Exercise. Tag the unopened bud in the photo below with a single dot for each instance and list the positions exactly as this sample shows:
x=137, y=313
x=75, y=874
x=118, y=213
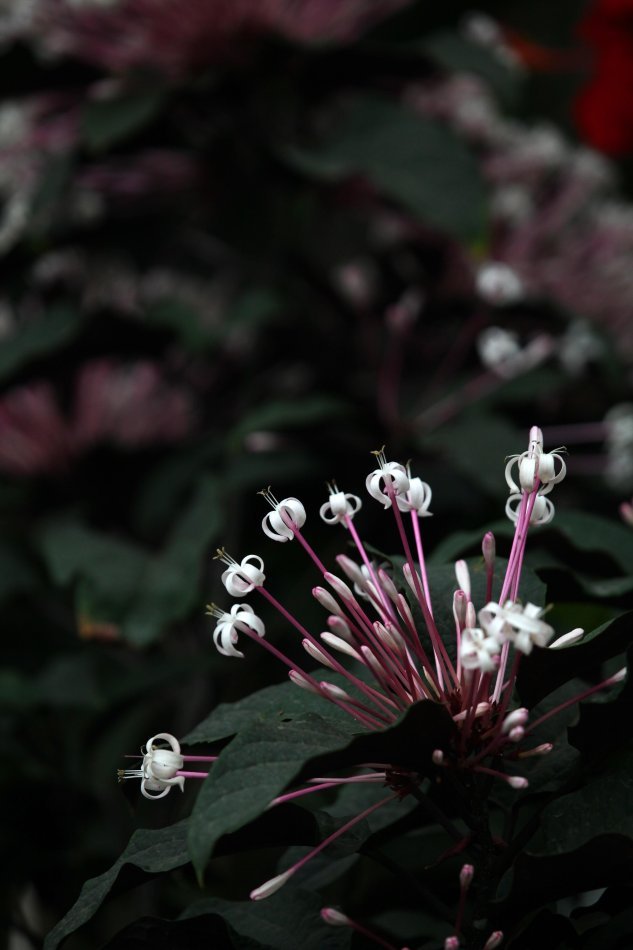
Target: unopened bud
x=270, y=887
x=466, y=876
x=516, y=734
x=326, y=600
x=388, y=585
x=304, y=683
x=516, y=718
x=338, y=643
x=617, y=677
x=341, y=588
x=517, y=781
x=317, y=654
x=460, y=602
x=340, y=628
x=567, y=638
x=463, y=576
x=542, y=749
x=334, y=917
x=351, y=569
x=438, y=757
x=494, y=940
x=335, y=692
x=488, y=548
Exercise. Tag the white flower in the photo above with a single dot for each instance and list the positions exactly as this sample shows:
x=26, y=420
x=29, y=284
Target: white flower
x=276, y=523
x=225, y=635
x=160, y=767
x=522, y=625
x=478, y=650
x=548, y=467
x=241, y=579
x=498, y=284
x=341, y=505
x=501, y=352
x=542, y=512
x=417, y=498
x=390, y=475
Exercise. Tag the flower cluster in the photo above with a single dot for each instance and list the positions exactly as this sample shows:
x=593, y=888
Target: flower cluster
x=388, y=650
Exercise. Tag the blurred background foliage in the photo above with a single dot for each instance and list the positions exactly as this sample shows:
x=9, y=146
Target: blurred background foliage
x=245, y=244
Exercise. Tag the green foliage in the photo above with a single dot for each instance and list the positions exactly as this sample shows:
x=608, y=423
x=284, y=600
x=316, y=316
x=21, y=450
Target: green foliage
x=118, y=582
x=151, y=852
x=38, y=338
x=109, y=121
x=409, y=159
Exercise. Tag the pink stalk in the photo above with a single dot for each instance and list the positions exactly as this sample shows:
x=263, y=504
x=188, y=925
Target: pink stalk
x=388, y=607
x=372, y=777
x=439, y=649
x=199, y=758
x=340, y=831
x=511, y=580
x=324, y=784
x=610, y=681
x=465, y=877
x=367, y=720
x=377, y=698
x=306, y=547
x=366, y=633
x=415, y=520
x=191, y=774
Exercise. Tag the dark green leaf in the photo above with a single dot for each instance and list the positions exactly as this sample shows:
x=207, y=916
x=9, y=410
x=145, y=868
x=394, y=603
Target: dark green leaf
x=254, y=769
x=603, y=805
x=588, y=532
x=458, y=54
x=544, y=669
x=198, y=934
x=106, y=122
x=37, y=338
x=418, y=163
x=284, y=414
x=118, y=582
x=472, y=440
x=285, y=921
x=282, y=701
x=151, y=851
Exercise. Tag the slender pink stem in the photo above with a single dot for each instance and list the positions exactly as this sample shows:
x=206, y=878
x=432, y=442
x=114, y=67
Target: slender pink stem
x=326, y=783
x=386, y=603
x=191, y=774
x=610, y=681
x=415, y=520
x=441, y=656
x=199, y=758
x=378, y=699
x=341, y=831
x=307, y=547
